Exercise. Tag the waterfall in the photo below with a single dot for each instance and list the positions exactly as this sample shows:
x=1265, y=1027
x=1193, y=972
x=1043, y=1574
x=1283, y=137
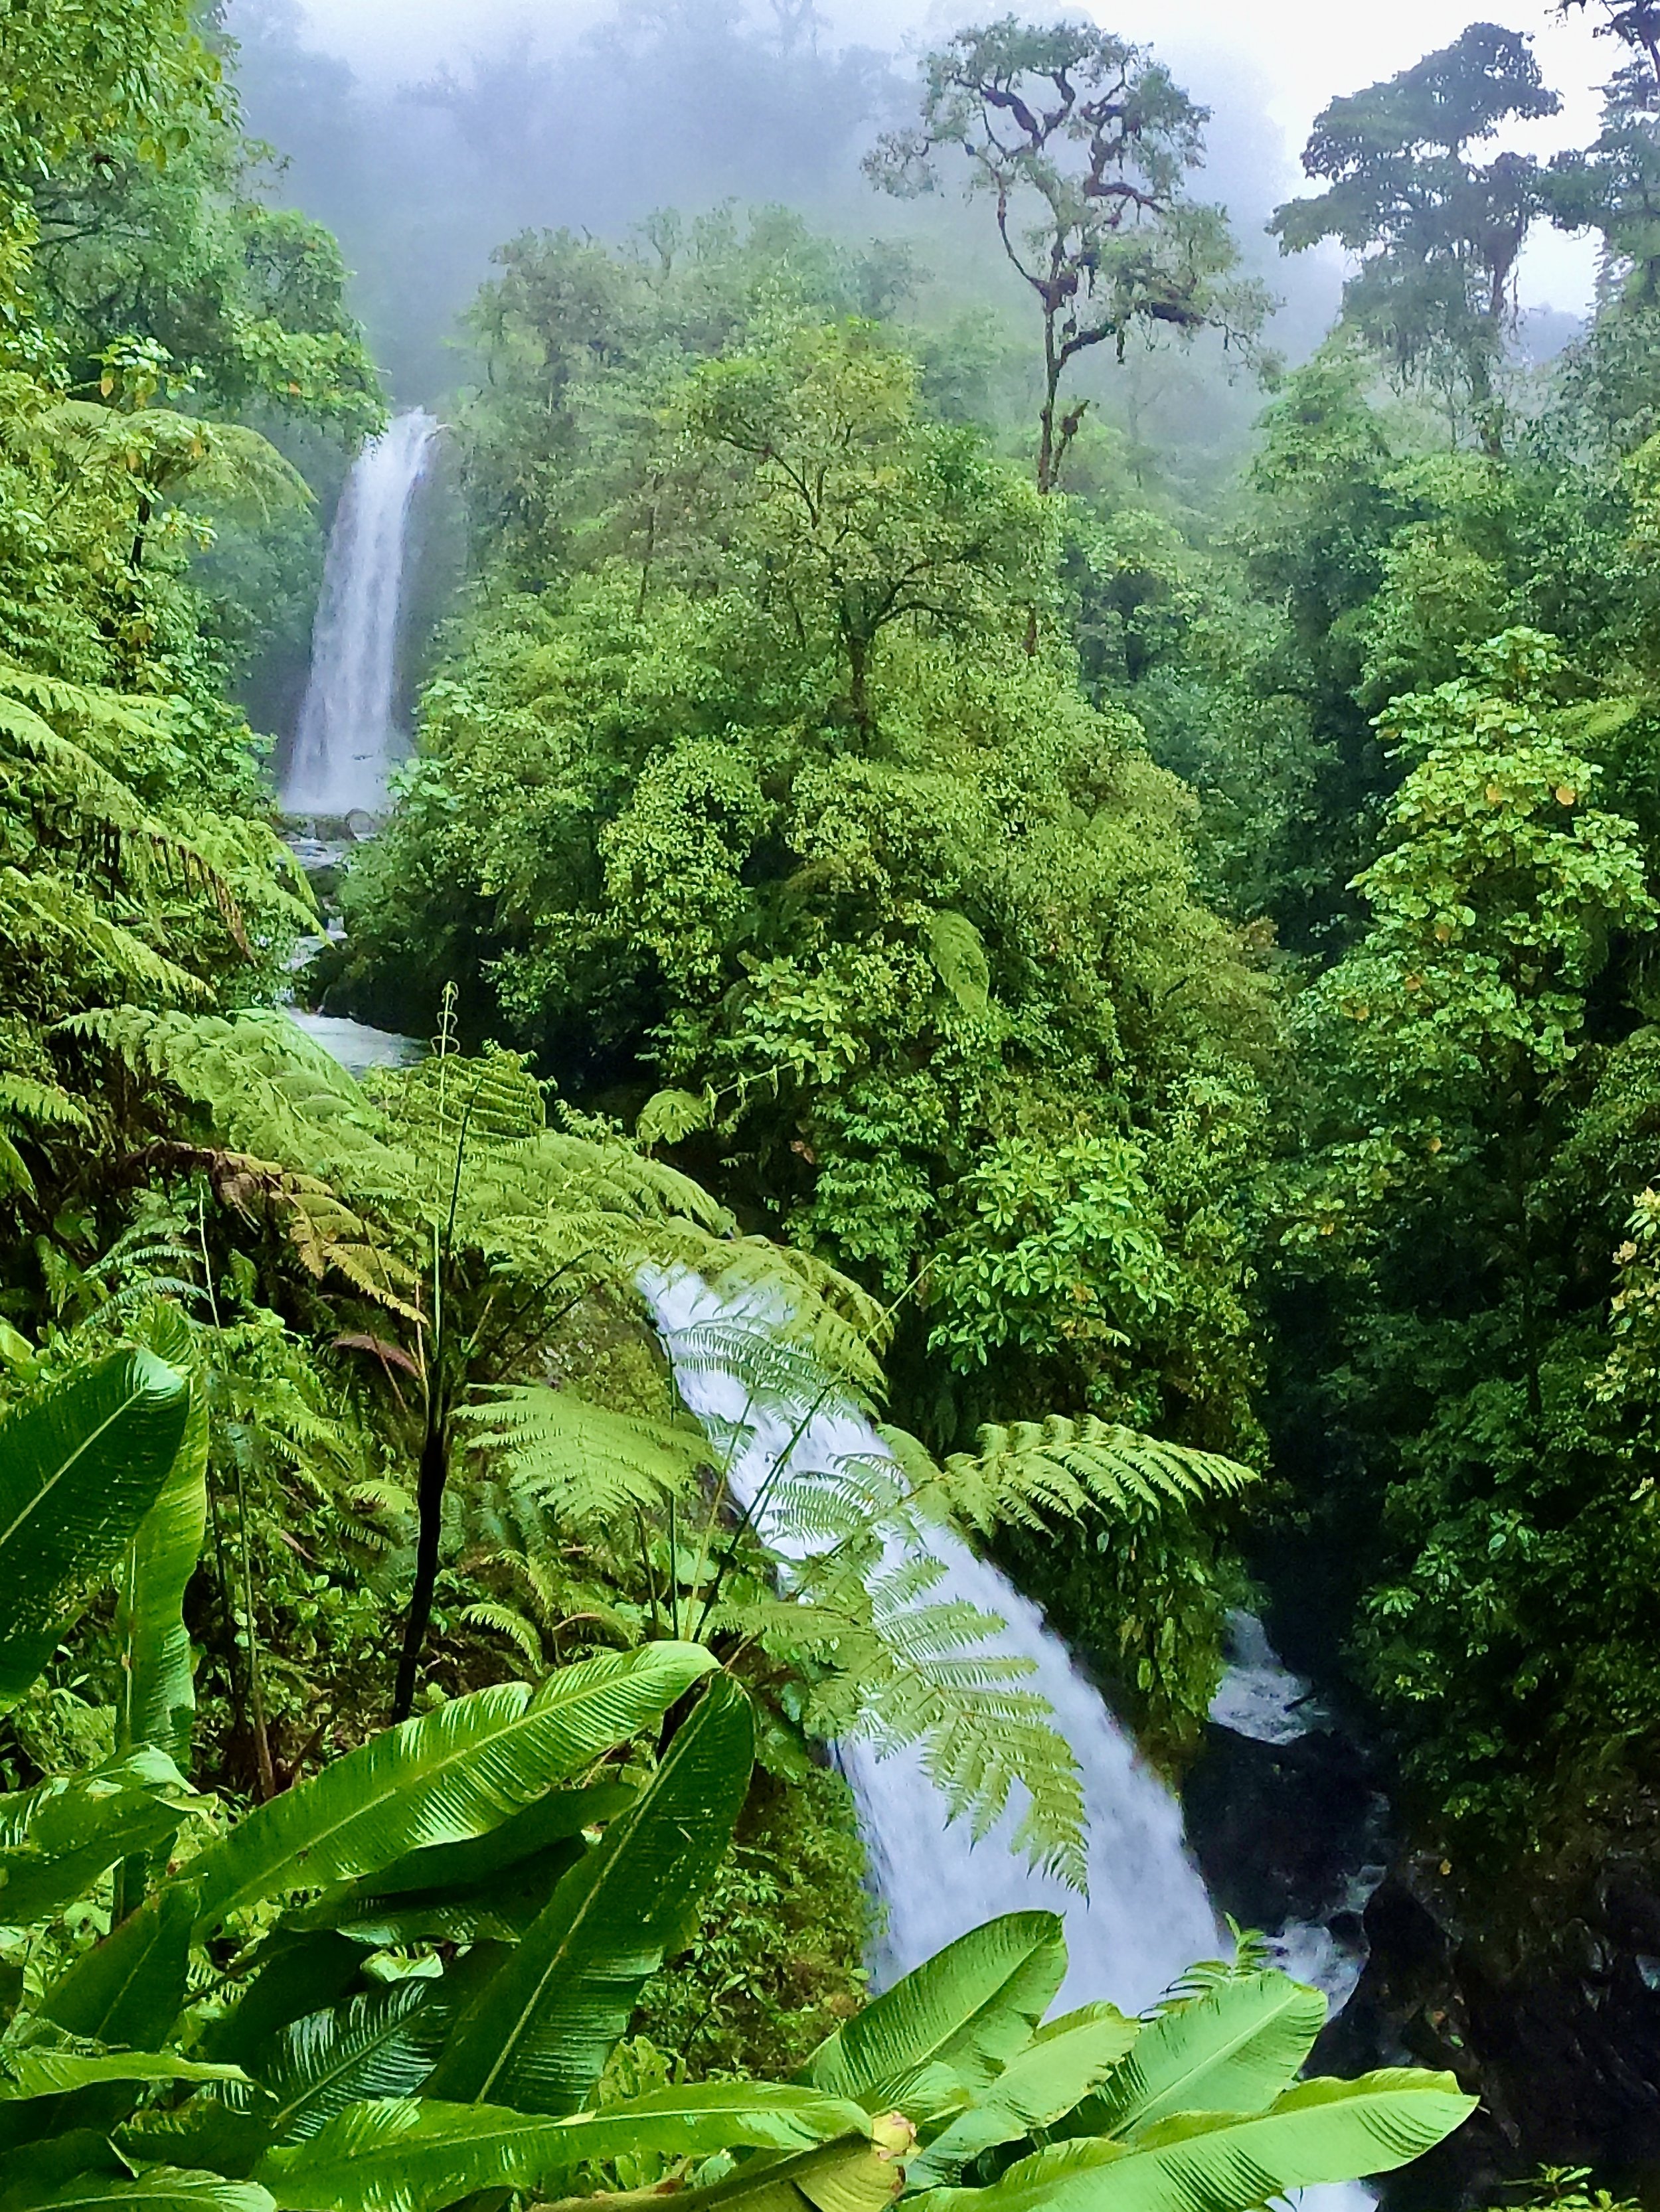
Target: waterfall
x=1145, y=1916
x=1259, y=1697
x=344, y=741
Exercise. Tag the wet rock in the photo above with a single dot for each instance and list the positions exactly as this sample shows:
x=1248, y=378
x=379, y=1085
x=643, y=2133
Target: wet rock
x=1279, y=1830
x=1553, y=2023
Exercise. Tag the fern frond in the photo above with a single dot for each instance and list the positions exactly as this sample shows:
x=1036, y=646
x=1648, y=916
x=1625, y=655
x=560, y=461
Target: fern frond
x=42, y=1105
x=503, y=1621
x=577, y=1461
x=50, y=916
x=1062, y=1468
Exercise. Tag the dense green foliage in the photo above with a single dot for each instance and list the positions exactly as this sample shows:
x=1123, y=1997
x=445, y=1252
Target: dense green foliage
x=802, y=830
x=1130, y=980
x=799, y=782
x=454, y=1854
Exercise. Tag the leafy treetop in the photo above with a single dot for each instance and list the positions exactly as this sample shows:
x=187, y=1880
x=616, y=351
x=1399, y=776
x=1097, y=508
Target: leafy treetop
x=1081, y=141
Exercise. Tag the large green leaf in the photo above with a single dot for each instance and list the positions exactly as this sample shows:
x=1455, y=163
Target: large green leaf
x=1320, y=2131
x=970, y=2009
x=130, y=1988
x=446, y=1867
x=295, y=1975
x=30, y=2172
x=157, y=1696
x=380, y=2045
x=538, y=2033
x=449, y=1775
x=1038, y=2088
x=43, y=2072
x=490, y=1888
x=1233, y=2050
x=80, y=1466
x=163, y=2188
x=58, y=1837
x=413, y=2155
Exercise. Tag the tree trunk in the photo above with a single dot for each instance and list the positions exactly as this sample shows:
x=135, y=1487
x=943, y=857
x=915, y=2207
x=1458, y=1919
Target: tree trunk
x=1046, y=455
x=858, y=650
x=1486, y=409
x=429, y=1506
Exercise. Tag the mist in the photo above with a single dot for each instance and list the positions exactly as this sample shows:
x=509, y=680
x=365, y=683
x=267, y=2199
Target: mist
x=425, y=135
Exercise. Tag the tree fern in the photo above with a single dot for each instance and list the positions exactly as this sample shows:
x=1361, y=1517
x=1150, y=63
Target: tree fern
x=1032, y=1472
x=838, y=1523
x=577, y=1462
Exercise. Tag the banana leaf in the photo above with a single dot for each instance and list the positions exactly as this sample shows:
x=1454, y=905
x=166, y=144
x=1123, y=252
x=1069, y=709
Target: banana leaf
x=33, y=2071
x=32, y=2171
x=379, y=2045
x=1038, y=2088
x=447, y=1776
x=490, y=1888
x=1233, y=2050
x=416, y=2156
x=163, y=2188
x=537, y=2035
x=80, y=1466
x=58, y=1837
x=157, y=1698
x=970, y=2009
x=131, y=1988
x=1320, y=2131
x=552, y=1818
x=292, y=1975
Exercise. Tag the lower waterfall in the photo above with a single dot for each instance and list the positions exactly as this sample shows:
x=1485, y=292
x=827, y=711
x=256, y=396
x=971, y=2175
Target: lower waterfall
x=1147, y=1916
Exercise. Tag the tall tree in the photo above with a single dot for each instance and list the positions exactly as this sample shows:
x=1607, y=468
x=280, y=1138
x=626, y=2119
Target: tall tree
x=1438, y=233
x=1637, y=25
x=1614, y=185
x=1081, y=141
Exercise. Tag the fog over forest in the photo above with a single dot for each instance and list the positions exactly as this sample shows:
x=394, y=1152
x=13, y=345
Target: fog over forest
x=425, y=135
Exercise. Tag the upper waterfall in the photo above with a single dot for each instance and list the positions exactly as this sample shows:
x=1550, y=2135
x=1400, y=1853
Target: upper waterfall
x=343, y=741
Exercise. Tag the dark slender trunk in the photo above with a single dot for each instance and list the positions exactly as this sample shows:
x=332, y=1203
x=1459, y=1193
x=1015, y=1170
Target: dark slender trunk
x=1046, y=457
x=145, y=511
x=858, y=678
x=429, y=1507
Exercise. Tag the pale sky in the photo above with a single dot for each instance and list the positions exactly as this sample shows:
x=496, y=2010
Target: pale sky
x=1288, y=57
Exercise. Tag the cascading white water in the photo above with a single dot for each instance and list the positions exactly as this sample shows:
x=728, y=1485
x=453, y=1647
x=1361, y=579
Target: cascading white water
x=344, y=741
x=1147, y=1916
x=1261, y=1697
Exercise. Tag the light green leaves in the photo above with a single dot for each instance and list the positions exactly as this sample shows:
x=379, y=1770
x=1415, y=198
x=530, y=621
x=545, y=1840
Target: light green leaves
x=36, y=2072
x=577, y=1461
x=1049, y=2079
x=416, y=2156
x=80, y=1466
x=129, y=1989
x=163, y=2189
x=958, y=953
x=449, y=1775
x=969, y=2010
x=56, y=1838
x=1229, y=2050
x=1227, y=2161
x=157, y=1684
x=538, y=2035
